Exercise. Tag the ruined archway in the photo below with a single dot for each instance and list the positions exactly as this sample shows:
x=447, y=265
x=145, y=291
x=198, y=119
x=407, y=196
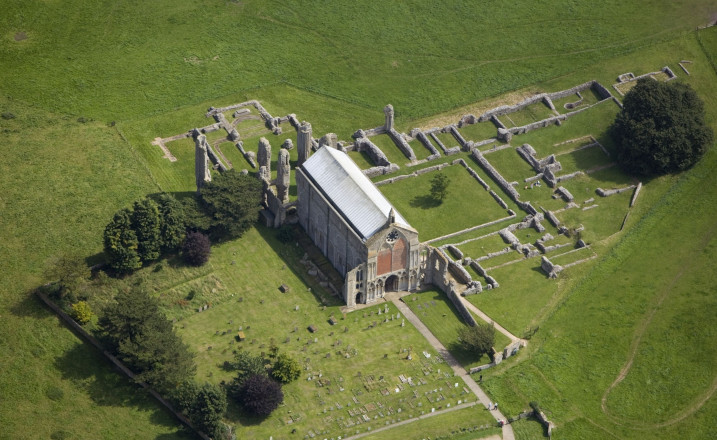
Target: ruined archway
x=391, y=284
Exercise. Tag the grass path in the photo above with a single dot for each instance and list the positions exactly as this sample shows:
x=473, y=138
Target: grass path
x=637, y=339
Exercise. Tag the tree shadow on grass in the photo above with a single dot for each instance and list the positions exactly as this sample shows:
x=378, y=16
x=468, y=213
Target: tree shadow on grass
x=236, y=414
x=91, y=373
x=30, y=306
x=425, y=202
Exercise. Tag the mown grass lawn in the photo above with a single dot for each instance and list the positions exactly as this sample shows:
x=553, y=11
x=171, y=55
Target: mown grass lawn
x=467, y=204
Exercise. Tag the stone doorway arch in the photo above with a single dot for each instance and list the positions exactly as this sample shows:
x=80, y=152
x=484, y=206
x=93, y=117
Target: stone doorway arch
x=391, y=284
x=359, y=298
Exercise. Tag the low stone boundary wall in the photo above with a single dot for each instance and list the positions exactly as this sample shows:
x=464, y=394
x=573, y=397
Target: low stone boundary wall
x=422, y=138
x=634, y=196
x=462, y=142
x=75, y=327
x=495, y=175
x=271, y=122
x=379, y=171
x=472, y=228
x=610, y=192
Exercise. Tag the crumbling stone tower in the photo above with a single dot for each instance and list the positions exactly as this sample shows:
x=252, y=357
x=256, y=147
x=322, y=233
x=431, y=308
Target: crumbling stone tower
x=264, y=155
x=303, y=140
x=283, y=174
x=388, y=111
x=202, y=172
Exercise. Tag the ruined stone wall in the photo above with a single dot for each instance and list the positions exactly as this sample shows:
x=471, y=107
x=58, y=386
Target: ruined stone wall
x=248, y=155
x=379, y=171
x=402, y=145
x=437, y=272
x=363, y=144
x=552, y=270
x=283, y=176
x=495, y=175
x=422, y=138
x=276, y=206
x=610, y=192
x=263, y=154
x=202, y=173
x=461, y=141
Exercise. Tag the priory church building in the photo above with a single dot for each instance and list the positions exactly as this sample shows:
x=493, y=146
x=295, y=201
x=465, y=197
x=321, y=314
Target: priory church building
x=363, y=236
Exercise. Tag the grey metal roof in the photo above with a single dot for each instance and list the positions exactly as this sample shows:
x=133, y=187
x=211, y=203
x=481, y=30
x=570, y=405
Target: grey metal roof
x=351, y=192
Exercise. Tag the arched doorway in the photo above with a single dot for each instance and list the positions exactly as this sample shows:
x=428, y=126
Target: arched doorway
x=391, y=284
x=358, y=298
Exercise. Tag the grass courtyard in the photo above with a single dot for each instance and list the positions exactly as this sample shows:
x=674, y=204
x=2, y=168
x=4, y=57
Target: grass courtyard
x=468, y=203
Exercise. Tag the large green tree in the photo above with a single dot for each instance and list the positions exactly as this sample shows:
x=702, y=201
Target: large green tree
x=439, y=187
x=120, y=243
x=204, y=405
x=661, y=128
x=477, y=339
x=172, y=225
x=146, y=224
x=232, y=202
x=135, y=329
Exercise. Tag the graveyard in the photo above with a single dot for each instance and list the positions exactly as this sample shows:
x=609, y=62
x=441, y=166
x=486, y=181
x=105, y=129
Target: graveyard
x=97, y=108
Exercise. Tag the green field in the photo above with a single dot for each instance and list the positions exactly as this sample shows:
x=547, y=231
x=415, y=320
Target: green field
x=133, y=71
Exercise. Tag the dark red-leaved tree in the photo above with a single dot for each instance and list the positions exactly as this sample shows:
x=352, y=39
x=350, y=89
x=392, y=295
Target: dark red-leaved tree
x=260, y=395
x=196, y=248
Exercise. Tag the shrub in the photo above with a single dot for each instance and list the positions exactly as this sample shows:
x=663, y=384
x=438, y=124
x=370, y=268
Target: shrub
x=196, y=249
x=81, y=312
x=285, y=234
x=286, y=369
x=54, y=393
x=533, y=404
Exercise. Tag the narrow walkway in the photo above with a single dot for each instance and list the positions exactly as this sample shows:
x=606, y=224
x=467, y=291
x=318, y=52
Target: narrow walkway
x=415, y=419
x=487, y=319
x=453, y=363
